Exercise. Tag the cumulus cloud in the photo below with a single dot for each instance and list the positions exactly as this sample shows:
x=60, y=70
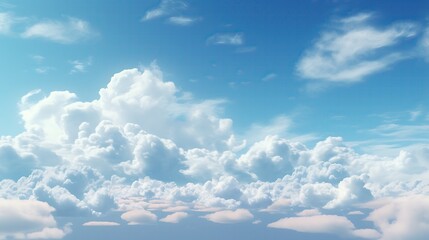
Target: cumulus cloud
x=228, y=216
x=331, y=224
x=139, y=217
x=174, y=217
x=166, y=7
x=402, y=218
x=226, y=39
x=28, y=219
x=65, y=32
x=351, y=49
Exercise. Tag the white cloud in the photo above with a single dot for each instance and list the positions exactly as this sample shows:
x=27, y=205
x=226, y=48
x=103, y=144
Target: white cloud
x=349, y=50
x=228, y=216
x=175, y=217
x=269, y=77
x=79, y=66
x=226, y=39
x=330, y=224
x=402, y=218
x=309, y=212
x=424, y=43
x=6, y=22
x=166, y=7
x=280, y=205
x=139, y=217
x=182, y=21
x=100, y=224
x=66, y=32
x=28, y=219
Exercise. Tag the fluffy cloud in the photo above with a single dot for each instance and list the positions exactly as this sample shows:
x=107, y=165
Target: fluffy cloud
x=227, y=216
x=402, y=218
x=182, y=21
x=28, y=219
x=349, y=51
x=174, y=217
x=139, y=217
x=66, y=32
x=331, y=224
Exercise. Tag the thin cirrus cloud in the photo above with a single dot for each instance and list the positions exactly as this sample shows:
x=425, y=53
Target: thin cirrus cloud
x=65, y=32
x=234, y=39
x=351, y=49
x=6, y=22
x=182, y=20
x=100, y=224
x=166, y=7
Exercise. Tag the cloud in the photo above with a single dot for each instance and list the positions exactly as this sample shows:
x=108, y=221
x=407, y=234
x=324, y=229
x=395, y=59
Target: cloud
x=139, y=217
x=166, y=7
x=228, y=216
x=402, y=218
x=28, y=219
x=100, y=224
x=175, y=217
x=309, y=212
x=353, y=48
x=330, y=224
x=424, y=43
x=182, y=21
x=234, y=39
x=6, y=22
x=79, y=66
x=65, y=32
x=269, y=77
x=280, y=205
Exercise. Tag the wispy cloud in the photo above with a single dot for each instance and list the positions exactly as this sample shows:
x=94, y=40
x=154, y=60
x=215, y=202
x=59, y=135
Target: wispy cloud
x=350, y=49
x=166, y=7
x=269, y=77
x=6, y=22
x=79, y=66
x=65, y=32
x=226, y=39
x=182, y=21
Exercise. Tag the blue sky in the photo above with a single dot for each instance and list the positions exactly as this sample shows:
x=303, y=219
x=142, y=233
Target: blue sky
x=216, y=119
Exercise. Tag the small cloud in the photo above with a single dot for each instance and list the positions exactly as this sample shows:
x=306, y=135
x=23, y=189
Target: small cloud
x=79, y=66
x=65, y=32
x=355, y=213
x=175, y=217
x=269, y=77
x=309, y=212
x=100, y=224
x=42, y=70
x=139, y=217
x=166, y=7
x=350, y=50
x=281, y=205
x=228, y=216
x=226, y=39
x=6, y=22
x=182, y=21
x=38, y=58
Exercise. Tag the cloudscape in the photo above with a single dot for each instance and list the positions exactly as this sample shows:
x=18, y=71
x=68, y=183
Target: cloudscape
x=174, y=119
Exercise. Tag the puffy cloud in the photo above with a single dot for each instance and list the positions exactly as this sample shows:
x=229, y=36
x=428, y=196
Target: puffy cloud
x=228, y=216
x=13, y=164
x=226, y=39
x=28, y=219
x=402, y=218
x=349, y=51
x=174, y=217
x=100, y=224
x=139, y=217
x=309, y=212
x=331, y=224
x=66, y=32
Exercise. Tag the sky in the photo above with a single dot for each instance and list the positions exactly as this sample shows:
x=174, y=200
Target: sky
x=187, y=119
